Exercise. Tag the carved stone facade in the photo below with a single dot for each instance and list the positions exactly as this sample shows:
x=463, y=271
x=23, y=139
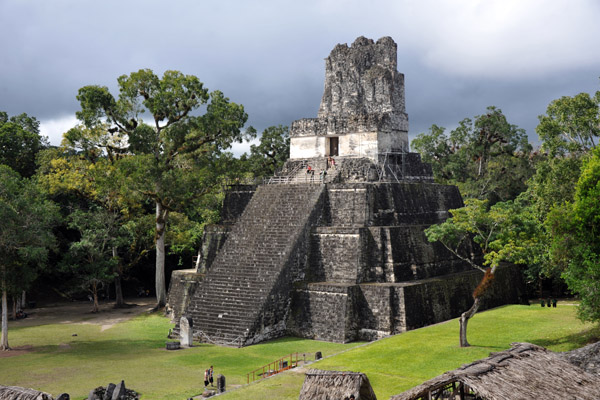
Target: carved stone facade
x=362, y=113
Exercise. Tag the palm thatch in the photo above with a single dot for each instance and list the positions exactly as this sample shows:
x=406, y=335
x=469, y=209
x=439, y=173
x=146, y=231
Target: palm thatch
x=524, y=372
x=587, y=358
x=336, y=385
x=19, y=393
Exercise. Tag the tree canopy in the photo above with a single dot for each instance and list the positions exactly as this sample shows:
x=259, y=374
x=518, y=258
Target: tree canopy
x=20, y=141
x=487, y=158
x=571, y=124
x=169, y=154
x=25, y=236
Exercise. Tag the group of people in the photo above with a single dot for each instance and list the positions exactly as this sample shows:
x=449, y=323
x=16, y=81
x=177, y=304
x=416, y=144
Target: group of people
x=208, y=377
x=311, y=172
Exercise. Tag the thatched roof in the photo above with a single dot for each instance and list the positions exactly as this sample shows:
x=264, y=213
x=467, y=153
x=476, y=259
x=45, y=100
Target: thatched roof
x=524, y=372
x=336, y=385
x=19, y=393
x=587, y=358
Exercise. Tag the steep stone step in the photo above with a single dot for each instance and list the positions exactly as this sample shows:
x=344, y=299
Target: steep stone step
x=244, y=272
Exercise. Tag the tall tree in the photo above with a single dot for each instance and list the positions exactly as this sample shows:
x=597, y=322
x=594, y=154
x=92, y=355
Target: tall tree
x=575, y=230
x=25, y=235
x=92, y=260
x=487, y=158
x=20, y=141
x=571, y=125
x=272, y=151
x=569, y=132
x=169, y=149
x=502, y=234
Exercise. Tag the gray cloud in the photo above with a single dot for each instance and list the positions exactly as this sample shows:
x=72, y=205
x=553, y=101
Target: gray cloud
x=458, y=56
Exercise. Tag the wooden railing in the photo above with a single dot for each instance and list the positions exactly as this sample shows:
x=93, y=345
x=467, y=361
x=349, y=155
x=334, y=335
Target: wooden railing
x=275, y=367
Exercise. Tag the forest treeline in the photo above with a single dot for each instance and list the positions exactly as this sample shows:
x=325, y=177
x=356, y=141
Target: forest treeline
x=144, y=169
x=141, y=173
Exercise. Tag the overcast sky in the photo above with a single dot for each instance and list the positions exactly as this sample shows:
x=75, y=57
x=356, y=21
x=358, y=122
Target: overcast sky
x=458, y=56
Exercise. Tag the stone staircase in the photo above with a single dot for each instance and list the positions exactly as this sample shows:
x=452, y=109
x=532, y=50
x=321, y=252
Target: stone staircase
x=240, y=290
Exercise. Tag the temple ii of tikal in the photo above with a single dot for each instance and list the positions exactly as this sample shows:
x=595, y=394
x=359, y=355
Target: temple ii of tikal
x=332, y=247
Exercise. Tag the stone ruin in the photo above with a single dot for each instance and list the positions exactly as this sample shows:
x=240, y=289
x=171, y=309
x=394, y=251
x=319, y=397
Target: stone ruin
x=362, y=113
x=341, y=256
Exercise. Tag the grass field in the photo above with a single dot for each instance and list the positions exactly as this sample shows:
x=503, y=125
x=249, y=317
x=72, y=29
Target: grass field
x=134, y=351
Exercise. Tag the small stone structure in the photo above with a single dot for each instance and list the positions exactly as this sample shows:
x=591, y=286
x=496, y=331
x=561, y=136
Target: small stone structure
x=185, y=332
x=343, y=257
x=113, y=392
x=221, y=383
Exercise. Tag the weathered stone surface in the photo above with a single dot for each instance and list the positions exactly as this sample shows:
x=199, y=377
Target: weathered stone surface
x=172, y=345
x=220, y=383
x=245, y=296
x=185, y=331
x=362, y=112
x=182, y=287
x=108, y=394
x=119, y=392
x=362, y=79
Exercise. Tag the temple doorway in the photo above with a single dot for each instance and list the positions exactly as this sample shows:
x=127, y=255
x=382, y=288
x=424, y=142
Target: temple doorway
x=333, y=146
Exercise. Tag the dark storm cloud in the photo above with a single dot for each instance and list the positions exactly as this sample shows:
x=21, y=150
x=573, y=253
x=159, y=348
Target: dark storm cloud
x=458, y=56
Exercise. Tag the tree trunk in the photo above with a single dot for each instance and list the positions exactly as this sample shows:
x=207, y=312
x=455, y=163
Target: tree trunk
x=119, y=302
x=95, y=294
x=161, y=291
x=23, y=299
x=15, y=307
x=4, y=339
x=464, y=320
x=118, y=290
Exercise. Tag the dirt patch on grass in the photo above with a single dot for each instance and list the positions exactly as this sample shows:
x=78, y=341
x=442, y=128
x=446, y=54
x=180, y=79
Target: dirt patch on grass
x=81, y=312
x=16, y=351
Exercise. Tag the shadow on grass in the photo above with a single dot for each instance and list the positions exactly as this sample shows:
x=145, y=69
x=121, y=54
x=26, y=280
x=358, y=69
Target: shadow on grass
x=107, y=349
x=573, y=341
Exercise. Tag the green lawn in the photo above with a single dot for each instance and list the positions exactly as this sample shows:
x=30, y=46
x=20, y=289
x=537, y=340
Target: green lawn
x=134, y=351
x=400, y=362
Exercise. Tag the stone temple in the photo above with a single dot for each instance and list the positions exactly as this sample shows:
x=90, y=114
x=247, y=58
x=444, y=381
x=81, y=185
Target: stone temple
x=339, y=256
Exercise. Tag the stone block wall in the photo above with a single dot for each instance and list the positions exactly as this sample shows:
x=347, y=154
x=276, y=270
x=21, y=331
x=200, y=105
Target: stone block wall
x=375, y=307
x=411, y=203
x=375, y=310
x=324, y=312
x=403, y=253
x=182, y=288
x=348, y=204
x=439, y=299
x=335, y=255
